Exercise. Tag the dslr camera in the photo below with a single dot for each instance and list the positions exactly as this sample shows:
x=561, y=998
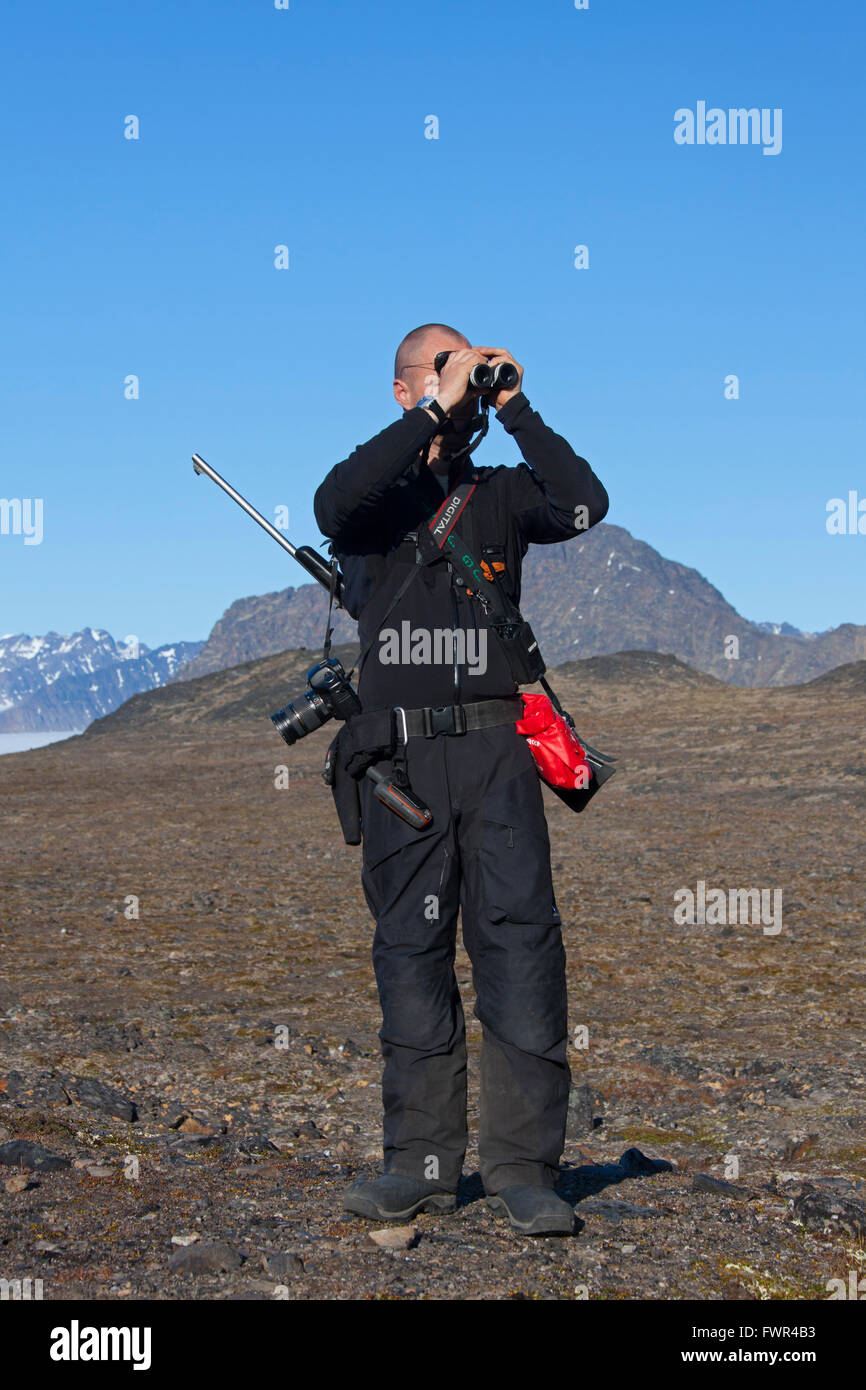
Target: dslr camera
x=330, y=696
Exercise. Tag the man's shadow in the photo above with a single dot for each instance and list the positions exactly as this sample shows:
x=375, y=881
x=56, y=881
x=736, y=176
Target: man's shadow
x=577, y=1183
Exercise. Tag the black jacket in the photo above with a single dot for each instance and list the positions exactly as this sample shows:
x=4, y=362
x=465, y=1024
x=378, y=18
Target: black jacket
x=371, y=504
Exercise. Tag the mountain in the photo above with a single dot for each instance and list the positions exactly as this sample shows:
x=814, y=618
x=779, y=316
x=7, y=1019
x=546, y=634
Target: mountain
x=63, y=682
x=249, y=693
x=605, y=592
x=258, y=626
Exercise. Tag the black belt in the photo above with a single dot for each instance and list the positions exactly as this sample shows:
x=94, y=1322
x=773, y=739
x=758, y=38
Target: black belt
x=456, y=719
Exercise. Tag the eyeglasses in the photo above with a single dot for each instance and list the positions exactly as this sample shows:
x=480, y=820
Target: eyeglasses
x=438, y=361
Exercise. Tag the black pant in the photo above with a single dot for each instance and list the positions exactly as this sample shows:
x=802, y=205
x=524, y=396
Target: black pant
x=486, y=852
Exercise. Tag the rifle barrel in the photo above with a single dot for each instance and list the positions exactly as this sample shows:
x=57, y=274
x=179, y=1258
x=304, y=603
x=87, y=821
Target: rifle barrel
x=309, y=559
x=200, y=466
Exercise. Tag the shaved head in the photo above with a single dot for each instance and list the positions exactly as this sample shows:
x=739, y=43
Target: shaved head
x=422, y=343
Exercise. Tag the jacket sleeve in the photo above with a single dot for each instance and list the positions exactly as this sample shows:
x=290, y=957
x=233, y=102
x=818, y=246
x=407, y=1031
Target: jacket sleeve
x=348, y=499
x=552, y=482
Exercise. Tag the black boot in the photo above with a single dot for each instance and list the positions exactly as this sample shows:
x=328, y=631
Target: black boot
x=536, y=1211
x=396, y=1197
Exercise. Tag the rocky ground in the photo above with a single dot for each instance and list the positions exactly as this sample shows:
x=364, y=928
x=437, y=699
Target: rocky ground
x=188, y=1055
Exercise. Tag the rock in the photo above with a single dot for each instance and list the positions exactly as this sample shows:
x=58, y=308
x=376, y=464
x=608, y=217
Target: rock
x=704, y=1183
x=282, y=1266
x=612, y=1210
x=190, y=1125
x=310, y=1128
x=95, y=1095
x=186, y=1240
x=20, y=1153
x=583, y=1105
x=19, y=1183
x=830, y=1211
x=395, y=1237
x=666, y=1058
x=179, y=1143
x=215, y=1258
x=100, y=1170
x=637, y=1165
x=797, y=1144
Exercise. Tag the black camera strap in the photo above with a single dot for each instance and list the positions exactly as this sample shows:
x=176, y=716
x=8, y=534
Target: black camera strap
x=415, y=570
x=332, y=589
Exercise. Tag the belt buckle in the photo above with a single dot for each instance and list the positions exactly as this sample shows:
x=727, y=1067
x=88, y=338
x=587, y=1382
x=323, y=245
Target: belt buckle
x=401, y=727
x=444, y=719
x=438, y=719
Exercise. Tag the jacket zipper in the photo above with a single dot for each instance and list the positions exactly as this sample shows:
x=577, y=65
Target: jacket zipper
x=456, y=611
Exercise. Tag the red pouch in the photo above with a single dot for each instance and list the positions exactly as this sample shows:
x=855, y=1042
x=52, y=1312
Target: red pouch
x=559, y=755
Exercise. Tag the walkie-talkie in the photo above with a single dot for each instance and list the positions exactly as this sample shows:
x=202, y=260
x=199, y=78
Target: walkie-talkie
x=400, y=800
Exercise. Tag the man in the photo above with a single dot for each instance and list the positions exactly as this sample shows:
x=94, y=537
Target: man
x=486, y=851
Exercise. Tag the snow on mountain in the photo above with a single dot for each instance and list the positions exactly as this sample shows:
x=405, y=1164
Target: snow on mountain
x=61, y=681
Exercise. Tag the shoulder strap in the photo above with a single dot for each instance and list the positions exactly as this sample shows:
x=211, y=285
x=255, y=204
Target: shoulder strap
x=385, y=616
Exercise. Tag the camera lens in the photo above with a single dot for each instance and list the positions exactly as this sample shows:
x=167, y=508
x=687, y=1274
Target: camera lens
x=301, y=717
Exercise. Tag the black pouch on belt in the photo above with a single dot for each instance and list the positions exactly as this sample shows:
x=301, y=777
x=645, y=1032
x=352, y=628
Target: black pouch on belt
x=364, y=740
x=344, y=790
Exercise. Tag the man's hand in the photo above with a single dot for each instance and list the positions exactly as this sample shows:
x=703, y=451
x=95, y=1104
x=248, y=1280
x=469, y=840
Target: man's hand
x=494, y=356
x=454, y=378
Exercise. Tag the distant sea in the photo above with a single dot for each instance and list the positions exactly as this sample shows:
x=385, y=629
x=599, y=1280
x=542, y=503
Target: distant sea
x=19, y=743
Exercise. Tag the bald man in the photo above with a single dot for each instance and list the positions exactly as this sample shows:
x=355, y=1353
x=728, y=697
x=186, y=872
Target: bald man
x=439, y=693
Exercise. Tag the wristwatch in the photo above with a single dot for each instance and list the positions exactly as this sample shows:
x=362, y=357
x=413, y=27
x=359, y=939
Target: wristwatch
x=431, y=403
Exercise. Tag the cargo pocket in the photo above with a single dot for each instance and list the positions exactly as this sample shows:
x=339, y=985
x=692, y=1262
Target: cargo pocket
x=514, y=853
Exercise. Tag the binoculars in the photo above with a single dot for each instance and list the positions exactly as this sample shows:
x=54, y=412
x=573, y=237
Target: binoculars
x=483, y=377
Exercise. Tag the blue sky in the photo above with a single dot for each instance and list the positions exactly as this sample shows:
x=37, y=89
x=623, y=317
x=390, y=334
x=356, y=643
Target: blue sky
x=305, y=127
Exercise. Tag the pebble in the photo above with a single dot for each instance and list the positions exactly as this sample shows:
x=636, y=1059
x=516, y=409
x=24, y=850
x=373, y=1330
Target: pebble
x=394, y=1237
x=19, y=1183
x=280, y=1266
x=614, y=1210
x=191, y=1125
x=704, y=1183
x=216, y=1258
x=186, y=1240
x=95, y=1095
x=100, y=1170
